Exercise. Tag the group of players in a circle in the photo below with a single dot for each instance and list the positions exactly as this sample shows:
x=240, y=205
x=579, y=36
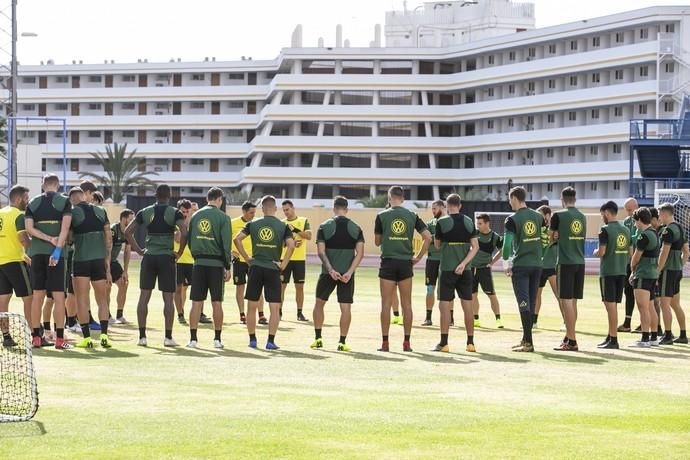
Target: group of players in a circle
x=54, y=248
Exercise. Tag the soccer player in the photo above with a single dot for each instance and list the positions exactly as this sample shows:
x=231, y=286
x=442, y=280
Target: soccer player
x=456, y=238
x=522, y=242
x=644, y=264
x=433, y=261
x=296, y=267
x=569, y=227
x=674, y=255
x=490, y=245
x=120, y=275
x=240, y=268
x=158, y=263
x=48, y=218
x=210, y=240
x=340, y=245
x=185, y=263
x=92, y=248
x=630, y=207
x=394, y=230
x=548, y=271
x=268, y=236
x=614, y=252
x=14, y=275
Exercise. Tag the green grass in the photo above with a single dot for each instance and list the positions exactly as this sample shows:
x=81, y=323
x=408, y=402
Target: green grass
x=131, y=402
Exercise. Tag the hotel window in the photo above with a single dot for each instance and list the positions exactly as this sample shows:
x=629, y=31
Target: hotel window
x=95, y=78
x=552, y=84
x=618, y=74
x=489, y=124
x=617, y=148
x=594, y=150
x=531, y=52
x=396, y=67
x=313, y=97
x=395, y=98
x=162, y=105
x=129, y=78
x=127, y=133
x=511, y=56
x=29, y=80
x=593, y=186
x=669, y=67
x=394, y=160
x=198, y=77
x=93, y=134
x=490, y=92
x=94, y=106
x=236, y=104
x=551, y=118
x=355, y=129
x=395, y=129
x=510, y=155
x=596, y=77
x=618, y=111
x=490, y=156
x=549, y=153
x=572, y=116
x=530, y=154
x=128, y=106
x=358, y=67
x=511, y=122
x=616, y=185
x=28, y=107
x=196, y=162
x=620, y=37
x=197, y=105
x=529, y=188
x=595, y=114
x=644, y=71
x=549, y=187
x=642, y=109
x=573, y=45
x=669, y=106
x=596, y=42
x=357, y=97
x=511, y=89
x=61, y=107
x=552, y=49
x=235, y=133
x=235, y=76
x=670, y=28
x=196, y=133
x=644, y=34
x=530, y=87
x=571, y=151
x=573, y=80
x=161, y=134
x=62, y=79
x=491, y=60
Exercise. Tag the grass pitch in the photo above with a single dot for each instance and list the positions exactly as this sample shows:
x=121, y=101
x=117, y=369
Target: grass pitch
x=132, y=402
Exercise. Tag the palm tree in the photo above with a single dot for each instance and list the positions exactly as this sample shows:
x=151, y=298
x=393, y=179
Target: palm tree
x=120, y=171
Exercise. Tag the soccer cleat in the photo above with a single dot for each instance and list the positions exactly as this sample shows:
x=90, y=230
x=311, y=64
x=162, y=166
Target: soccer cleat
x=638, y=330
x=272, y=346
x=181, y=320
x=609, y=346
x=8, y=342
x=76, y=328
x=666, y=341
x=252, y=344
x=46, y=343
x=384, y=347
x=406, y=346
x=48, y=335
x=471, y=348
x=499, y=324
x=95, y=326
x=263, y=321
x=86, y=342
x=61, y=344
x=519, y=345
x=170, y=342
x=192, y=344
x=112, y=321
x=121, y=320
x=640, y=344
x=218, y=344
x=427, y=322
x=654, y=343
x=525, y=348
x=564, y=346
x=477, y=323
x=203, y=319
x=318, y=343
x=441, y=348
x=300, y=317
x=343, y=347
x=623, y=328
x=601, y=345
x=396, y=319
x=682, y=340
x=105, y=341
x=142, y=342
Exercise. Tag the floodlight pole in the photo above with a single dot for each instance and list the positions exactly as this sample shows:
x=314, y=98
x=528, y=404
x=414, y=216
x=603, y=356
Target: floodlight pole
x=12, y=128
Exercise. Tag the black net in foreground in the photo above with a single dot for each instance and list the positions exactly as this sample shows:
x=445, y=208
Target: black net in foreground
x=18, y=392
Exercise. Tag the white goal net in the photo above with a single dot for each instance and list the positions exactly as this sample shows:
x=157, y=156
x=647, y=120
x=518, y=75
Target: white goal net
x=680, y=199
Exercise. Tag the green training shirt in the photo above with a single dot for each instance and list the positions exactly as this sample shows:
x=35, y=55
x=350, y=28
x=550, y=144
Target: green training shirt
x=489, y=243
x=340, y=235
x=648, y=243
x=396, y=225
x=673, y=236
x=616, y=238
x=47, y=211
x=455, y=232
x=571, y=226
x=526, y=225
x=88, y=222
x=160, y=220
x=119, y=240
x=433, y=254
x=210, y=237
x=268, y=236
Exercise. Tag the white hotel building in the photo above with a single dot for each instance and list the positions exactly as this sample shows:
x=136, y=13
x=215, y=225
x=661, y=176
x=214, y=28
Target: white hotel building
x=462, y=96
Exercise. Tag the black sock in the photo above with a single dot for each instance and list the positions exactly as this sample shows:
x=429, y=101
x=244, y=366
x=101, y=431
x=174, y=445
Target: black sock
x=627, y=320
x=104, y=327
x=192, y=334
x=261, y=314
x=252, y=337
x=683, y=334
x=271, y=338
x=142, y=332
x=317, y=333
x=299, y=311
x=645, y=336
x=407, y=338
x=654, y=336
x=444, y=340
x=36, y=332
x=168, y=333
x=180, y=315
x=119, y=313
x=572, y=343
x=476, y=317
x=85, y=330
x=428, y=315
x=613, y=340
x=498, y=316
x=242, y=315
x=526, y=318
x=46, y=325
x=385, y=338
x=470, y=340
x=342, y=339
x=60, y=332
x=217, y=334
x=396, y=313
x=668, y=334
x=535, y=317
x=71, y=321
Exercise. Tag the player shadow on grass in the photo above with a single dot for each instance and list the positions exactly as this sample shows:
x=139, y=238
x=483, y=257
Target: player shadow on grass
x=572, y=358
x=365, y=356
x=656, y=354
x=88, y=354
x=22, y=429
x=615, y=356
x=297, y=354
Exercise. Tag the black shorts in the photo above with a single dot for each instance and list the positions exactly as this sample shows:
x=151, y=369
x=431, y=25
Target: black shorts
x=184, y=274
x=92, y=269
x=45, y=278
x=450, y=283
x=14, y=276
x=483, y=276
x=646, y=284
x=431, y=272
x=158, y=267
x=395, y=269
x=207, y=279
x=239, y=272
x=571, y=281
x=295, y=269
x=612, y=288
x=669, y=283
x=116, y=271
x=546, y=273
x=264, y=280
x=326, y=285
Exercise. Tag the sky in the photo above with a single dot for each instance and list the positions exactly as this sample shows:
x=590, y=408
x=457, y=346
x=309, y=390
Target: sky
x=157, y=30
